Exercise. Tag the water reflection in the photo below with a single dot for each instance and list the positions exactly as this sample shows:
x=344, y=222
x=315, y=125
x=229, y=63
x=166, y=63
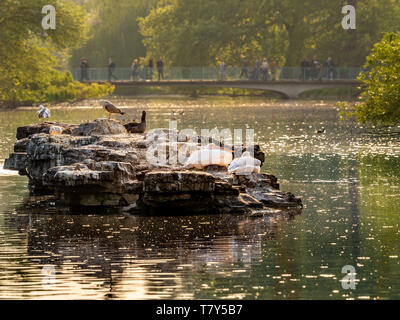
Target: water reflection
x=128, y=257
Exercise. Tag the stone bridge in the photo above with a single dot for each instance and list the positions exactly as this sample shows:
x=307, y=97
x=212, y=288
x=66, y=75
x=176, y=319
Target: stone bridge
x=289, y=89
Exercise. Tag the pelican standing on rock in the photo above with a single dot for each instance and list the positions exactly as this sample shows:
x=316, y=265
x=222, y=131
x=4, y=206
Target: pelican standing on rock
x=110, y=108
x=43, y=113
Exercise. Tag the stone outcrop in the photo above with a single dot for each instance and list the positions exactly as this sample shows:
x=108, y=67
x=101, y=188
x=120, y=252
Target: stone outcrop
x=99, y=127
x=98, y=166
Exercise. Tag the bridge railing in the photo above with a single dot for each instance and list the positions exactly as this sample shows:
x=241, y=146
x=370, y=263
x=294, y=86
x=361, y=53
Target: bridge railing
x=214, y=73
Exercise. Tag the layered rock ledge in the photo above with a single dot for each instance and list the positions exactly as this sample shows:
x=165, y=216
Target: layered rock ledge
x=99, y=166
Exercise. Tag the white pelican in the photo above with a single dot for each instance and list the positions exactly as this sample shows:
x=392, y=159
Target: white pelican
x=245, y=165
x=110, y=108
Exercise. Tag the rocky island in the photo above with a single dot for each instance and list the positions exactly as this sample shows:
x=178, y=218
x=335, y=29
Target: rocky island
x=99, y=166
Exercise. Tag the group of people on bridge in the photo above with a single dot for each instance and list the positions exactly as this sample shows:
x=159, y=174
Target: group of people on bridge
x=265, y=69
x=262, y=70
x=135, y=70
x=135, y=74
x=311, y=69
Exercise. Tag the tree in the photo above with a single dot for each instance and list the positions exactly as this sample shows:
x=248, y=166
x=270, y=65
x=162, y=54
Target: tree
x=380, y=99
x=113, y=32
x=29, y=55
x=350, y=47
x=199, y=32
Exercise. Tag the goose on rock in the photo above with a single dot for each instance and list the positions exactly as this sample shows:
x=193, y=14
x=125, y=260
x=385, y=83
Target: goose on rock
x=245, y=165
x=135, y=127
x=110, y=108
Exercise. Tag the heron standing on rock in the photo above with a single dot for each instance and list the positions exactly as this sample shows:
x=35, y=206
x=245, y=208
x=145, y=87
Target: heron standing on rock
x=110, y=108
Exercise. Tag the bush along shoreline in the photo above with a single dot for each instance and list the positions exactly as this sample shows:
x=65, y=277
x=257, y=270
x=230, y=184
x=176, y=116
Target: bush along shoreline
x=60, y=87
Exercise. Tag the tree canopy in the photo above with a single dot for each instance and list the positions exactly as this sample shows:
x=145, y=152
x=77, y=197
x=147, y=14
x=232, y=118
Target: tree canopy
x=29, y=55
x=380, y=99
x=199, y=32
x=113, y=32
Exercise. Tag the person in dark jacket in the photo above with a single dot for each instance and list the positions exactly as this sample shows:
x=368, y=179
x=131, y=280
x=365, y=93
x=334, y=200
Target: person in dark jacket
x=151, y=66
x=160, y=69
x=264, y=69
x=244, y=70
x=84, y=66
x=111, y=68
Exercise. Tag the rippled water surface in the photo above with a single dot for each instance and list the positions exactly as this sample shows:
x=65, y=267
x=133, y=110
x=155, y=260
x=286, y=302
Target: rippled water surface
x=349, y=180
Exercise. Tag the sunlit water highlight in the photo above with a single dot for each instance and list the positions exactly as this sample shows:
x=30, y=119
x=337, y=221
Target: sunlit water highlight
x=348, y=178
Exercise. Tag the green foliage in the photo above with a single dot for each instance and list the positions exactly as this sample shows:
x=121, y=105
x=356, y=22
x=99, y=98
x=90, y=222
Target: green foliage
x=113, y=32
x=380, y=99
x=64, y=88
x=29, y=56
x=202, y=32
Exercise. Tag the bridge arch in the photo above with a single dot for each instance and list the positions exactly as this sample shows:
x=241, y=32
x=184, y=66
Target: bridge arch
x=289, y=89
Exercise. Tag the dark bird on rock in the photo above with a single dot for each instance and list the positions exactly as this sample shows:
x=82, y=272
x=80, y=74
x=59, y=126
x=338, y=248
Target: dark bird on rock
x=321, y=131
x=135, y=127
x=110, y=108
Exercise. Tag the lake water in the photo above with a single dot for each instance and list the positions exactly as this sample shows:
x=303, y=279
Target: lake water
x=349, y=181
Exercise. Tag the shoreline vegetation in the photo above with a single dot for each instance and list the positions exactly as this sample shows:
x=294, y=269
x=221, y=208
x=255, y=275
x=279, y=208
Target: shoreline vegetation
x=61, y=88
